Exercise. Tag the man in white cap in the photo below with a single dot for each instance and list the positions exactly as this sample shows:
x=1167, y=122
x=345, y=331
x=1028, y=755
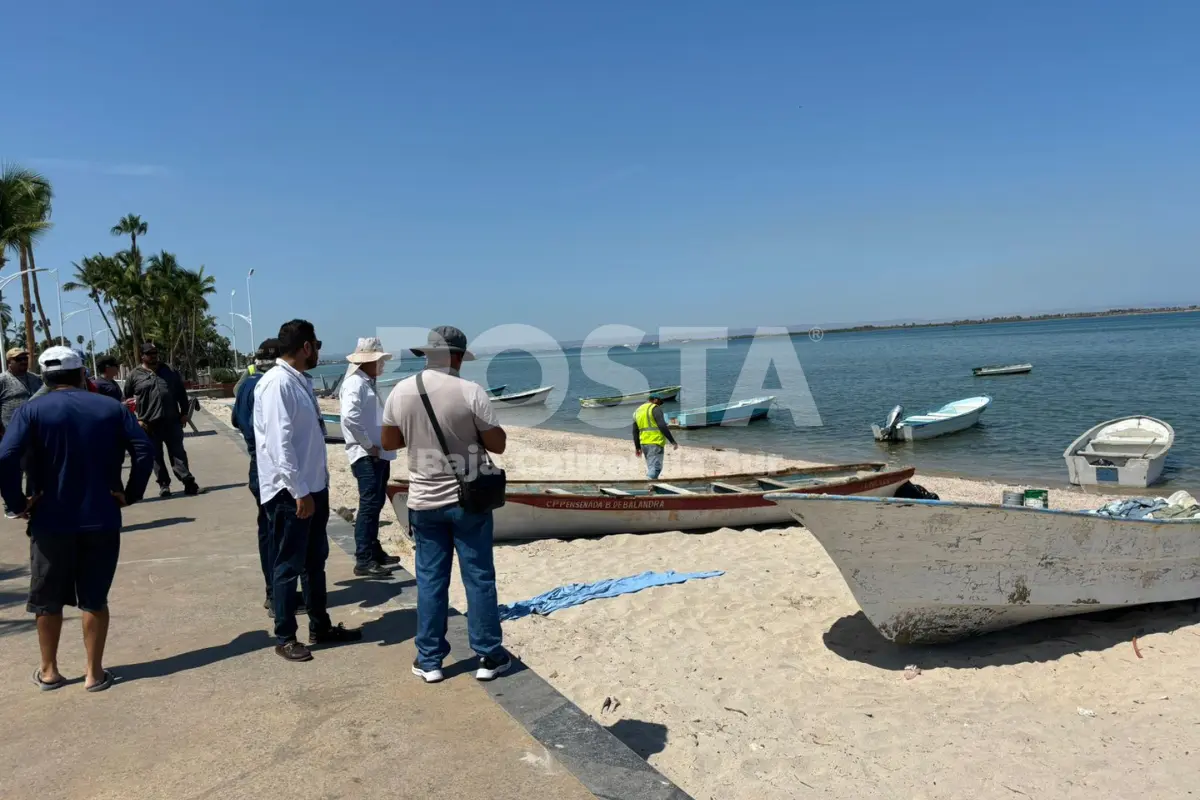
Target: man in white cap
x=75, y=441
x=371, y=465
x=17, y=387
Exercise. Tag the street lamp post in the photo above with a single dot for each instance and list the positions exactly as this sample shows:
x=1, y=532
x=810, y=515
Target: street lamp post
x=232, y=322
x=250, y=307
x=84, y=308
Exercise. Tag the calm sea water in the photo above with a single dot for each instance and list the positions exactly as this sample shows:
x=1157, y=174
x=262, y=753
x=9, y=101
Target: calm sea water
x=1085, y=371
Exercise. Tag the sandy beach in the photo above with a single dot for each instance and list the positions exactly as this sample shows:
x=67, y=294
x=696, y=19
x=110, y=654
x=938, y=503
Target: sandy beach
x=767, y=682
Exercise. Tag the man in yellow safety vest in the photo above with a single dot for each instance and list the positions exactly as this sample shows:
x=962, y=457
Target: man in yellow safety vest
x=650, y=435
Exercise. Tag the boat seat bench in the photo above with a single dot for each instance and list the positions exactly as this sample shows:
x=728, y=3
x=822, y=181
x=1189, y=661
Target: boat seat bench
x=609, y=490
x=769, y=483
x=669, y=489
x=727, y=488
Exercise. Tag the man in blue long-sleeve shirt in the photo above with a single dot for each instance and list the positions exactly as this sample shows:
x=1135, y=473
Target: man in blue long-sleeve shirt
x=73, y=440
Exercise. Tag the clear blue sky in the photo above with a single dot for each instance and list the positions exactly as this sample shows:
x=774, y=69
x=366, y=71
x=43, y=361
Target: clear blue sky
x=567, y=165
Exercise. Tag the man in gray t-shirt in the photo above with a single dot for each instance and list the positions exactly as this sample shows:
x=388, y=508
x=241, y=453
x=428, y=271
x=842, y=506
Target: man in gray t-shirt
x=439, y=525
x=17, y=387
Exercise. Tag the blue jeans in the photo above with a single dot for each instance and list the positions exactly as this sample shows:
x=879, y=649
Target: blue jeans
x=654, y=460
x=372, y=474
x=437, y=534
x=298, y=547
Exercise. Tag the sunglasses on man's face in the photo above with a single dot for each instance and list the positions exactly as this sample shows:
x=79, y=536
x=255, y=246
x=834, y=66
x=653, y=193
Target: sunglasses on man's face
x=21, y=358
x=151, y=353
x=316, y=343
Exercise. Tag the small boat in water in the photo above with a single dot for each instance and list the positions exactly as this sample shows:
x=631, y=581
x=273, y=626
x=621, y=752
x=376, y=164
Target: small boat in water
x=1002, y=369
x=568, y=509
x=933, y=571
x=950, y=418
x=738, y=413
x=533, y=397
x=1129, y=451
x=667, y=393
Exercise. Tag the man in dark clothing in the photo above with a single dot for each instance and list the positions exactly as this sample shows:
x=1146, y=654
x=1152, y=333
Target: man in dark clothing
x=106, y=383
x=243, y=421
x=17, y=387
x=74, y=441
x=162, y=411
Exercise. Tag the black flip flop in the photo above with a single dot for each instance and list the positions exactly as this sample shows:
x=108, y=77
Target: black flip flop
x=108, y=681
x=47, y=687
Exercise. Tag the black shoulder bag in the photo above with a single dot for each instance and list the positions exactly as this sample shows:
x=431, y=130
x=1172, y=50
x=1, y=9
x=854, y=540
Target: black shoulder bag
x=485, y=491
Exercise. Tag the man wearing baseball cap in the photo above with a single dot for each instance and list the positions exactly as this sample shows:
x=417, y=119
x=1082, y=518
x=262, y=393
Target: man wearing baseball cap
x=162, y=411
x=74, y=441
x=17, y=387
x=440, y=453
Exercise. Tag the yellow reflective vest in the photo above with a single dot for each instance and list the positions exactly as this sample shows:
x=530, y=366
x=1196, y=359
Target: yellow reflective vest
x=648, y=431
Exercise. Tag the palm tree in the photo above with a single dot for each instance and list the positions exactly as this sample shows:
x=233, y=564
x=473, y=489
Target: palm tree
x=24, y=198
x=130, y=225
x=43, y=197
x=94, y=275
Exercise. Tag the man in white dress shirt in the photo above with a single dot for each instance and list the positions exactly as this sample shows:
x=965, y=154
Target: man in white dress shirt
x=369, y=462
x=293, y=482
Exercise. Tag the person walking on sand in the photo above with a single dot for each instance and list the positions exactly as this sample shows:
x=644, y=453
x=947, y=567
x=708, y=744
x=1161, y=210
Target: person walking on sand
x=370, y=463
x=651, y=434
x=243, y=421
x=17, y=387
x=162, y=411
x=447, y=423
x=75, y=441
x=293, y=483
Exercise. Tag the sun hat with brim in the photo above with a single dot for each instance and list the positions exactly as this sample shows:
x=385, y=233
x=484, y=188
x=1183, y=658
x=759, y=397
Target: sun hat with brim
x=446, y=339
x=16, y=352
x=369, y=349
x=57, y=359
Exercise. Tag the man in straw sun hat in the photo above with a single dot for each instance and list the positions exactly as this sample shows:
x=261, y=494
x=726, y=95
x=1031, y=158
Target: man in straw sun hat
x=439, y=523
x=371, y=465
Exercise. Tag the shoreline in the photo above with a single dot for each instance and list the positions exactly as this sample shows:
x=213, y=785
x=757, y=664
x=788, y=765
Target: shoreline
x=747, y=685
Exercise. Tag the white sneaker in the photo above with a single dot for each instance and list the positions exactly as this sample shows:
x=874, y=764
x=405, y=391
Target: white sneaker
x=427, y=675
x=489, y=668
x=11, y=515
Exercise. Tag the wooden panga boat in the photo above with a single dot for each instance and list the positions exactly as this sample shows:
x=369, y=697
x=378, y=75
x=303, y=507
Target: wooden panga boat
x=933, y=571
x=738, y=413
x=950, y=418
x=1001, y=369
x=533, y=397
x=667, y=393
x=1129, y=451
x=568, y=509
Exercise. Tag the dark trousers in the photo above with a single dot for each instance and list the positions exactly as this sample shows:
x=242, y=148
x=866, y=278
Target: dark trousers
x=298, y=547
x=170, y=434
x=372, y=474
x=264, y=527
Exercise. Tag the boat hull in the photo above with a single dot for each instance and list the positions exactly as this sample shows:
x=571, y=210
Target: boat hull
x=1095, y=460
x=667, y=393
x=533, y=515
x=1014, y=369
x=932, y=430
x=706, y=418
x=536, y=397
x=928, y=571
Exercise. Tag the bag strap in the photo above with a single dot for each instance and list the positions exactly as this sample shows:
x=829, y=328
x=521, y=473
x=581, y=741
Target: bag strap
x=437, y=429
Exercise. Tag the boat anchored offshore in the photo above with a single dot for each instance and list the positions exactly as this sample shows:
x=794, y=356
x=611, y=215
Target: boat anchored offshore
x=1002, y=369
x=950, y=418
x=666, y=393
x=738, y=413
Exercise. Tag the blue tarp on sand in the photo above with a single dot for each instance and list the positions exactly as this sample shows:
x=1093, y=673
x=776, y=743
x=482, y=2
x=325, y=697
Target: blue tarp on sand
x=574, y=594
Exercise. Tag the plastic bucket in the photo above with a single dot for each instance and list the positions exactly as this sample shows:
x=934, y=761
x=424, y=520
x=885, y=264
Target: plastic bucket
x=1037, y=498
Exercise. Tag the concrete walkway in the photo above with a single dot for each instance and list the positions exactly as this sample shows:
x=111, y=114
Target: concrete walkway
x=204, y=707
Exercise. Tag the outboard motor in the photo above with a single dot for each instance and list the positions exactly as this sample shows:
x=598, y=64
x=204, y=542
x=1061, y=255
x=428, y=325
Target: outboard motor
x=892, y=422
